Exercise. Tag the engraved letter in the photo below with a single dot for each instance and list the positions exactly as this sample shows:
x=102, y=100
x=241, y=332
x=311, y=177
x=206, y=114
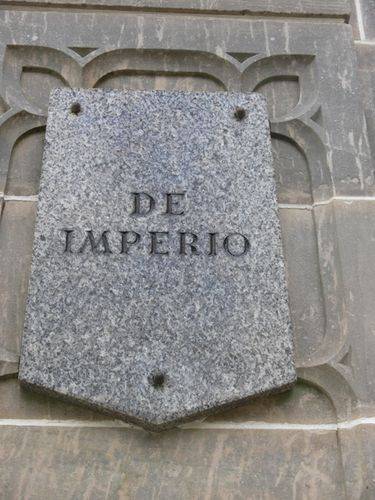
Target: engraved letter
x=171, y=204
x=95, y=244
x=126, y=242
x=246, y=245
x=191, y=244
x=143, y=204
x=68, y=240
x=155, y=241
x=212, y=244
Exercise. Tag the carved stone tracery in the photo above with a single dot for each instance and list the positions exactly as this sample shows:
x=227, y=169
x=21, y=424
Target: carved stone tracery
x=297, y=122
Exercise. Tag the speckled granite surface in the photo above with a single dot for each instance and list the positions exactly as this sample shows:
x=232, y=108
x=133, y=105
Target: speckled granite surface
x=157, y=290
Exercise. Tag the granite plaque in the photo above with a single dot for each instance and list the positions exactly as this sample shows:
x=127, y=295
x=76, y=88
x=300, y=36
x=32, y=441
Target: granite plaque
x=158, y=288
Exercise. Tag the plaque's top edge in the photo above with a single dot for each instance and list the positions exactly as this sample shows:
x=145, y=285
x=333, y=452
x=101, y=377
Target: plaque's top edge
x=82, y=91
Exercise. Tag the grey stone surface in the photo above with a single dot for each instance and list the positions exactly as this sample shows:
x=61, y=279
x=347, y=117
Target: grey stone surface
x=306, y=67
x=184, y=464
x=16, y=236
x=333, y=9
x=368, y=17
x=353, y=20
x=144, y=314
x=302, y=403
x=366, y=66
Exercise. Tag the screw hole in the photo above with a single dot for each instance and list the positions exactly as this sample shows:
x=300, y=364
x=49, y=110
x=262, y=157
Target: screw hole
x=157, y=380
x=239, y=114
x=75, y=108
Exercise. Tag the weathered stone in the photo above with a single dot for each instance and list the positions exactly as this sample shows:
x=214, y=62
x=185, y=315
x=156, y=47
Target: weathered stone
x=355, y=233
x=308, y=313
x=184, y=464
x=364, y=437
x=303, y=403
x=322, y=8
x=299, y=54
x=368, y=17
x=366, y=63
x=16, y=402
x=157, y=288
x=16, y=236
x=353, y=18
x=25, y=164
x=322, y=132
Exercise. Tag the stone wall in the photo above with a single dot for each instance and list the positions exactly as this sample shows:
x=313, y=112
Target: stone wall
x=316, y=65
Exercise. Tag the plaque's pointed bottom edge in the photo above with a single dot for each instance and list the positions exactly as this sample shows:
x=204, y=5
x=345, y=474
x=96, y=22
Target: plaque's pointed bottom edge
x=150, y=426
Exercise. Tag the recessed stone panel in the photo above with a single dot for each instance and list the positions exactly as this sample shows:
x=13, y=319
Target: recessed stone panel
x=158, y=289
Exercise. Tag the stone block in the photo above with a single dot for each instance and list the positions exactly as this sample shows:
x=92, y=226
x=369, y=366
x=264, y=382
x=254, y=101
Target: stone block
x=302, y=404
x=300, y=55
x=17, y=403
x=355, y=231
x=332, y=9
x=368, y=17
x=354, y=20
x=366, y=65
x=185, y=464
x=158, y=289
x=16, y=237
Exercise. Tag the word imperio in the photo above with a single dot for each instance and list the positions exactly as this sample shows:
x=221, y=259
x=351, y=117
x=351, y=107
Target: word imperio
x=156, y=242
